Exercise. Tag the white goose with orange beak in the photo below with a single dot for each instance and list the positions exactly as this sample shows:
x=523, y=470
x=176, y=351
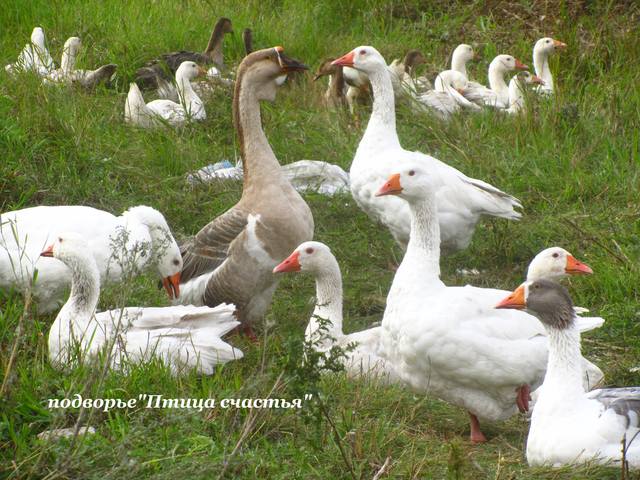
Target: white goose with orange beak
x=183, y=337
x=450, y=341
x=541, y=51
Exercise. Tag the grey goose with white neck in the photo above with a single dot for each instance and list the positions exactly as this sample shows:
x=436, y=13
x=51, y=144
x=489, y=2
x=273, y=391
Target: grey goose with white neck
x=232, y=258
x=569, y=425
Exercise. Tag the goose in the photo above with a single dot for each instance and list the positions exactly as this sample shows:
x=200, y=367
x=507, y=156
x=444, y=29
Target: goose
x=68, y=74
x=231, y=259
x=34, y=56
x=541, y=50
x=461, y=200
x=150, y=76
x=462, y=54
x=122, y=246
x=568, y=425
x=154, y=113
x=364, y=360
x=184, y=337
x=498, y=94
x=247, y=40
x=450, y=341
x=334, y=97
x=517, y=86
x=405, y=69
x=445, y=99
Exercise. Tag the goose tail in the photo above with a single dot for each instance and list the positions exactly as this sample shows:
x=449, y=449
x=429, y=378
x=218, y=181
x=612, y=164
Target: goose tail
x=135, y=109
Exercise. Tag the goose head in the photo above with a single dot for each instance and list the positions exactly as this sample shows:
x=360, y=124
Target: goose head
x=555, y=263
x=464, y=53
x=224, y=24
x=37, y=37
x=71, y=249
x=548, y=46
x=411, y=183
x=311, y=257
x=547, y=300
x=326, y=68
x=412, y=59
x=365, y=59
x=190, y=70
x=507, y=63
x=72, y=45
x=266, y=70
x=526, y=77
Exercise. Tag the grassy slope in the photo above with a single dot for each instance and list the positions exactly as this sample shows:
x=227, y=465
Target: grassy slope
x=574, y=162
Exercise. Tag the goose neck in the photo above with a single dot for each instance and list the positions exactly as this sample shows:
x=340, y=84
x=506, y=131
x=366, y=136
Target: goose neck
x=67, y=63
x=85, y=287
x=188, y=97
x=496, y=78
x=328, y=302
x=423, y=250
x=337, y=83
x=382, y=123
x=214, y=47
x=564, y=366
x=458, y=64
x=541, y=66
x=516, y=95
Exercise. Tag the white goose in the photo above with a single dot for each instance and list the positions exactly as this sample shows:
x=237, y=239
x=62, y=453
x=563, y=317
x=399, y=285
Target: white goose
x=157, y=112
x=517, y=86
x=122, y=246
x=68, y=74
x=498, y=94
x=450, y=341
x=34, y=56
x=541, y=51
x=365, y=359
x=462, y=54
x=461, y=200
x=184, y=337
x=568, y=425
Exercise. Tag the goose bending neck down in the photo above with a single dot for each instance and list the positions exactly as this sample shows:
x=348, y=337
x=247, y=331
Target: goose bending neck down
x=182, y=337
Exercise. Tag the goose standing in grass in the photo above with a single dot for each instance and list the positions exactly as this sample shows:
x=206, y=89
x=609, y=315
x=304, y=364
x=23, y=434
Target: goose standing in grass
x=541, y=51
x=34, y=56
x=67, y=73
x=231, y=259
x=570, y=426
x=461, y=200
x=183, y=337
x=122, y=246
x=498, y=93
x=364, y=360
x=156, y=112
x=450, y=341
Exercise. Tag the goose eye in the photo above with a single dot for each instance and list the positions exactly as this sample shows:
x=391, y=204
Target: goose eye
x=60, y=239
x=176, y=262
x=548, y=41
x=555, y=255
x=309, y=250
x=363, y=52
x=412, y=173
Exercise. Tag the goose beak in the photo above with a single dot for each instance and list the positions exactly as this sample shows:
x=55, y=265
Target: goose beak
x=48, y=252
x=392, y=187
x=537, y=79
x=345, y=60
x=559, y=44
x=288, y=64
x=520, y=65
x=576, y=267
x=290, y=264
x=515, y=300
x=172, y=285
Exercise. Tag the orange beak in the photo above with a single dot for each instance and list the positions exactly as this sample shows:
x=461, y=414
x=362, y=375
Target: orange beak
x=537, y=79
x=576, y=267
x=48, y=252
x=290, y=264
x=345, y=60
x=172, y=285
x=515, y=300
x=520, y=65
x=559, y=44
x=391, y=187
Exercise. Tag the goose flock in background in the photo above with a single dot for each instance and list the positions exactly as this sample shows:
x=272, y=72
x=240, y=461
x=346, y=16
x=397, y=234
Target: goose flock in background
x=473, y=347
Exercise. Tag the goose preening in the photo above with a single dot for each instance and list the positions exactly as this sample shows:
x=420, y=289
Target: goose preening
x=122, y=246
x=450, y=341
x=67, y=74
x=541, y=51
x=498, y=93
x=183, y=337
x=461, y=200
x=569, y=425
x=364, y=360
x=445, y=99
x=231, y=259
x=157, y=73
x=34, y=56
x=161, y=111
x=517, y=88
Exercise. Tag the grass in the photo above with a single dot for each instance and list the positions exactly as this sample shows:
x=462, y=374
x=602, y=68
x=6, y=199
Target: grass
x=573, y=161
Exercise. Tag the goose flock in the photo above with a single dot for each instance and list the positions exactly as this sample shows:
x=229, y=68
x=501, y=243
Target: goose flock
x=492, y=352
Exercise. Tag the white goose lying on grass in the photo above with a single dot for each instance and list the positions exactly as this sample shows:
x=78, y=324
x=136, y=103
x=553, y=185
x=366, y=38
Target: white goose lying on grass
x=541, y=51
x=183, y=337
x=324, y=330
x=568, y=425
x=157, y=112
x=34, y=56
x=450, y=341
x=122, y=246
x=498, y=94
x=67, y=73
x=517, y=86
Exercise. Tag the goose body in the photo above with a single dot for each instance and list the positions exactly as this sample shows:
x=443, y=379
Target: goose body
x=67, y=74
x=541, y=51
x=121, y=246
x=569, y=425
x=34, y=56
x=449, y=341
x=183, y=337
x=363, y=356
x=445, y=98
x=461, y=200
x=231, y=259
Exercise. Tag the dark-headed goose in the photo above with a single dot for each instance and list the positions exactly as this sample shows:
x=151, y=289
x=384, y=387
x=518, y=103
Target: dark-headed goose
x=232, y=258
x=334, y=96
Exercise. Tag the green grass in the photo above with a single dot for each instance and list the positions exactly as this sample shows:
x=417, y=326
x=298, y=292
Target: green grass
x=573, y=161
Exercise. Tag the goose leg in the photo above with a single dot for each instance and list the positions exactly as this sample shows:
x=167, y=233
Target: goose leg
x=476, y=434
x=522, y=397
x=248, y=332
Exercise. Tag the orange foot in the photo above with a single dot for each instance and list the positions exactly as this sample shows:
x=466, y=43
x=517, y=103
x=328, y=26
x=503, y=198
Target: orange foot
x=476, y=434
x=523, y=395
